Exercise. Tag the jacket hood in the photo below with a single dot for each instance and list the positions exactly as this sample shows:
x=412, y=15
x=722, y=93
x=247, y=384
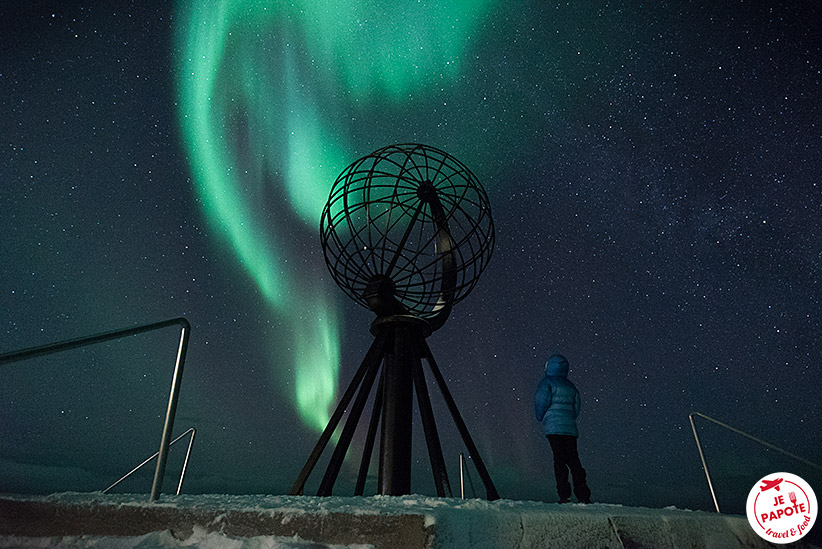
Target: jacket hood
x=557, y=365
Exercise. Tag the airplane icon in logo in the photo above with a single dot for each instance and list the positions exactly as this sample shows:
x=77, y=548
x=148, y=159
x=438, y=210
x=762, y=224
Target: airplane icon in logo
x=768, y=484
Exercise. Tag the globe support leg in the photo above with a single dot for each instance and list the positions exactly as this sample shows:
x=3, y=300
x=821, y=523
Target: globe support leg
x=372, y=359
x=432, y=439
x=333, y=469
x=368, y=449
x=490, y=489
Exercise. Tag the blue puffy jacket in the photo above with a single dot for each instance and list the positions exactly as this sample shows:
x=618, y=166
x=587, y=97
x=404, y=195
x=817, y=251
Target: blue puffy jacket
x=557, y=401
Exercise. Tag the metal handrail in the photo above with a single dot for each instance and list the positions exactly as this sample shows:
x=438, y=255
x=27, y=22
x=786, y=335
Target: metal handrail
x=193, y=432
x=171, y=411
x=744, y=434
x=463, y=474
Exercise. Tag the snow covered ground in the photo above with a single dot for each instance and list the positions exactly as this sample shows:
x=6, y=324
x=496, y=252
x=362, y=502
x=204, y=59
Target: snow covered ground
x=164, y=539
x=222, y=521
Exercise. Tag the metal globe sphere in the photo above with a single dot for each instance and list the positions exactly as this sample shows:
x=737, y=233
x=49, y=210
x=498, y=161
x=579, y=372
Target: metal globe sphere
x=407, y=229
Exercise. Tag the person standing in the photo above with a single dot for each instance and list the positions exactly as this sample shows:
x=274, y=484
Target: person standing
x=557, y=405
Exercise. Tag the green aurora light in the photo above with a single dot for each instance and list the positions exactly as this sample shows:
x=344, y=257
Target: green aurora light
x=262, y=86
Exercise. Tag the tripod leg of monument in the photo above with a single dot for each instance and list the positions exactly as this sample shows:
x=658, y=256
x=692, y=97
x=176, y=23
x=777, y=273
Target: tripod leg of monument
x=432, y=439
x=333, y=469
x=368, y=449
x=395, y=440
x=490, y=489
x=374, y=353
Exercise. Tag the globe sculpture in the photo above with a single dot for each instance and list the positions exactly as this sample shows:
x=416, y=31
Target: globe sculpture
x=406, y=233
x=407, y=229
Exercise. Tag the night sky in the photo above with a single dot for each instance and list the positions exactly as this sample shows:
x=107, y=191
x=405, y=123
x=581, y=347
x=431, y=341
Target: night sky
x=653, y=171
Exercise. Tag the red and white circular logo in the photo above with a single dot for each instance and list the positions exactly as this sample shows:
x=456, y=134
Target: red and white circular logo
x=782, y=508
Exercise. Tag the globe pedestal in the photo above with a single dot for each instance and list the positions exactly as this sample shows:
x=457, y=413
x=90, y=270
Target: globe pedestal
x=399, y=372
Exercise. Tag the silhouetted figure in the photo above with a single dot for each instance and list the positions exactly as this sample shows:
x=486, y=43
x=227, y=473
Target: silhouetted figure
x=556, y=405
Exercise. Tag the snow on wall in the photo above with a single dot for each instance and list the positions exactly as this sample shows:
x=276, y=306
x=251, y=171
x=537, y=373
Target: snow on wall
x=128, y=521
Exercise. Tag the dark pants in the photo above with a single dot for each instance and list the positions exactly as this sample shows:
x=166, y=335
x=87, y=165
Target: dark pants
x=566, y=457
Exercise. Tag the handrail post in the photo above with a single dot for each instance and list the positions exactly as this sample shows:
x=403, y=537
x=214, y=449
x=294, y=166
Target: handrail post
x=185, y=461
x=704, y=463
x=462, y=476
x=168, y=425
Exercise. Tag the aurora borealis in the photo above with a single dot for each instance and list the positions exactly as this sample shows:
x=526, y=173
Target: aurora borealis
x=653, y=171
x=255, y=115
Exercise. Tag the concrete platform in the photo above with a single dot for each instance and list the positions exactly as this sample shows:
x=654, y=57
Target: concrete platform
x=392, y=522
